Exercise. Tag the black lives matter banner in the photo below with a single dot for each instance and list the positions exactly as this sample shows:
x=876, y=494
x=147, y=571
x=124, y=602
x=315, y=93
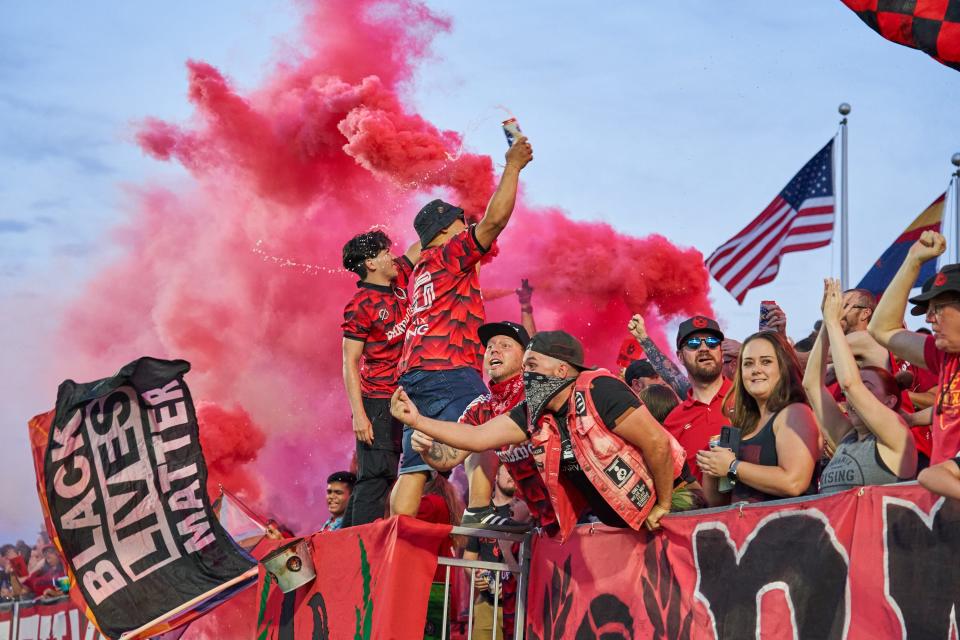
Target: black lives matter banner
x=125, y=487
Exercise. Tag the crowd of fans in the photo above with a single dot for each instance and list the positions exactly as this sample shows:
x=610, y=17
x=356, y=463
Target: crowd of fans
x=28, y=573
x=765, y=418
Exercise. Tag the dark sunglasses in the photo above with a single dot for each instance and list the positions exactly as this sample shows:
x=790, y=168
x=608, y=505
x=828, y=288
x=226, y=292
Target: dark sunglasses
x=694, y=343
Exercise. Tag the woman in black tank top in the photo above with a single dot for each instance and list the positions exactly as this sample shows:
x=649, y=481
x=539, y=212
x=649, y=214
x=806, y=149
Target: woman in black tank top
x=779, y=438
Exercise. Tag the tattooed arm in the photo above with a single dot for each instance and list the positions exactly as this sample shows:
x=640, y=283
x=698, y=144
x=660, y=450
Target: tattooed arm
x=441, y=457
x=670, y=373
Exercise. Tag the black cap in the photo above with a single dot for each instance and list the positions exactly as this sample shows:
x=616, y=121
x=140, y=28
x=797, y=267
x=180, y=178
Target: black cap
x=948, y=279
x=343, y=476
x=695, y=324
x=560, y=345
x=638, y=369
x=434, y=218
x=505, y=328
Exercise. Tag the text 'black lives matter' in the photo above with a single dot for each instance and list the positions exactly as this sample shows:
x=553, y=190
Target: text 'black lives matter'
x=126, y=489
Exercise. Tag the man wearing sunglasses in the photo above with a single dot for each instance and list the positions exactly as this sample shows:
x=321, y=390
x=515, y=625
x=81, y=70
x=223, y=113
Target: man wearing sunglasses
x=699, y=417
x=940, y=352
x=442, y=351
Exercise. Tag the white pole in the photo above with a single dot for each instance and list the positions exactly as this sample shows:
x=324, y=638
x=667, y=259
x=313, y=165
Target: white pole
x=844, y=110
x=955, y=159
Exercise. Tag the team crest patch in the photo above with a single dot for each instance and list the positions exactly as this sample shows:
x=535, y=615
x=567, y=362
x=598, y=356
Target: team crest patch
x=619, y=472
x=580, y=403
x=639, y=495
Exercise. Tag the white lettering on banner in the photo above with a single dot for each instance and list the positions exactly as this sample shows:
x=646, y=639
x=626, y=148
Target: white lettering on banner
x=168, y=409
x=59, y=626
x=28, y=628
x=45, y=626
x=102, y=581
x=141, y=536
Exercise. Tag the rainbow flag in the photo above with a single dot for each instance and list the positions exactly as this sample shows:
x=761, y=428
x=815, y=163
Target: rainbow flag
x=883, y=270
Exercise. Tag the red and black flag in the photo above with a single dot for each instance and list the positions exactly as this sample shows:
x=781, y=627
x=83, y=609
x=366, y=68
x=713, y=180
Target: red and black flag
x=933, y=26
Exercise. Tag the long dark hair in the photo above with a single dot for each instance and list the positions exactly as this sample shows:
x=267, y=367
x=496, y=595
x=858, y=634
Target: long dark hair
x=746, y=411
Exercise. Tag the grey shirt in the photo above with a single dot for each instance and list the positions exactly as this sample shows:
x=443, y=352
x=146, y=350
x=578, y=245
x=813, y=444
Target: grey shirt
x=856, y=463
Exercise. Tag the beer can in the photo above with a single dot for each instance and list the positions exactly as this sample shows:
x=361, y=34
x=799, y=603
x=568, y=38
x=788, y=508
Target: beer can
x=511, y=129
x=714, y=441
x=765, y=308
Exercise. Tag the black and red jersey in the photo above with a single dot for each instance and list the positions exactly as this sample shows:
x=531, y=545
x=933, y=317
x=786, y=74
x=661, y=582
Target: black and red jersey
x=377, y=317
x=446, y=307
x=516, y=458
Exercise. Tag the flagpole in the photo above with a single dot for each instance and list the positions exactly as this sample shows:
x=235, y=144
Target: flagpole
x=955, y=159
x=844, y=110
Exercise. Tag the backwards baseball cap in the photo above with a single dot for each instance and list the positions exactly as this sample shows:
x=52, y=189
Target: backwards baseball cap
x=638, y=369
x=560, y=345
x=434, y=218
x=505, y=328
x=695, y=324
x=947, y=280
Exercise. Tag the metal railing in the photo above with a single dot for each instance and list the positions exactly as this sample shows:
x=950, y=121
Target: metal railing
x=518, y=564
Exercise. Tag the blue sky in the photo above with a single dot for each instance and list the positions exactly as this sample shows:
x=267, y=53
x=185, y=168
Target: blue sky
x=683, y=119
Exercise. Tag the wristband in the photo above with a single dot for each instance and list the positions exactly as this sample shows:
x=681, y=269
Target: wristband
x=526, y=308
x=732, y=471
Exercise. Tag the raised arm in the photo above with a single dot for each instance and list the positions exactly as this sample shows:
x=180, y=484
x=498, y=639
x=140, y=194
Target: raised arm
x=886, y=325
x=660, y=362
x=501, y=203
x=497, y=432
x=525, y=295
x=895, y=441
x=413, y=252
x=834, y=423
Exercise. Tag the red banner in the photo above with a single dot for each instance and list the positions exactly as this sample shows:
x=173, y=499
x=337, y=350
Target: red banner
x=373, y=581
x=59, y=620
x=880, y=562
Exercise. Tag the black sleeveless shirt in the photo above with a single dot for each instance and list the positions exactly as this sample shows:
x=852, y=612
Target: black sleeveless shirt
x=761, y=448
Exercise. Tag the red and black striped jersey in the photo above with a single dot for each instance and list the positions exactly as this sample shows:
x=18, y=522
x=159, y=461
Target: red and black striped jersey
x=377, y=317
x=446, y=307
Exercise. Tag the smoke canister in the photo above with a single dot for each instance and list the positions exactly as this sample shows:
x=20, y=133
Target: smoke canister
x=765, y=307
x=511, y=129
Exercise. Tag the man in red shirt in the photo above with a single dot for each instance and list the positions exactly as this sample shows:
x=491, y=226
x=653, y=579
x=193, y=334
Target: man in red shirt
x=442, y=351
x=502, y=360
x=940, y=352
x=699, y=417
x=374, y=322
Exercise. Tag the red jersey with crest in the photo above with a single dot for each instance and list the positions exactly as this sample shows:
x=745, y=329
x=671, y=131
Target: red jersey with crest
x=516, y=458
x=446, y=307
x=377, y=317
x=945, y=430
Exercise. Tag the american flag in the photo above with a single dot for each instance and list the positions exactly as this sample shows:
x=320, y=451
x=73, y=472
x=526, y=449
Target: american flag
x=799, y=218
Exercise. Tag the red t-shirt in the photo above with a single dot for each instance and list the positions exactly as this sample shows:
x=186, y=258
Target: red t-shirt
x=517, y=458
x=446, y=307
x=945, y=430
x=377, y=317
x=693, y=423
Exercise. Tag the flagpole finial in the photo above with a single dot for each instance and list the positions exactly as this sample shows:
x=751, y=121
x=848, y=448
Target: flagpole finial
x=844, y=109
x=955, y=159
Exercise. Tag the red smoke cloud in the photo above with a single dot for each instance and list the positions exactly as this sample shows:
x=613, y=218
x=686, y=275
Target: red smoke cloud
x=326, y=149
